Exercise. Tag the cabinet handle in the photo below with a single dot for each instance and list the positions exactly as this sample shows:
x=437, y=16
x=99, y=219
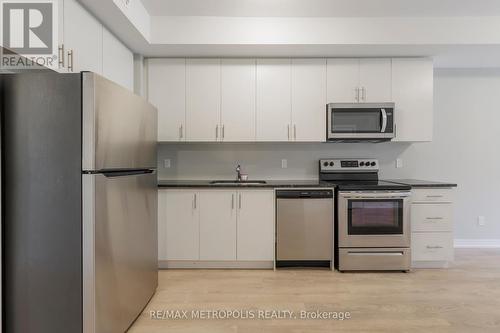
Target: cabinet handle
x=239, y=203
x=232, y=201
x=434, y=247
x=181, y=131
x=434, y=218
x=223, y=132
x=70, y=60
x=288, y=131
x=217, y=132
x=434, y=196
x=295, y=132
x=61, y=56
x=363, y=94
x=356, y=94
x=195, y=201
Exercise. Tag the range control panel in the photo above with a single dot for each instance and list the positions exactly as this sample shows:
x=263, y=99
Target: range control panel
x=343, y=165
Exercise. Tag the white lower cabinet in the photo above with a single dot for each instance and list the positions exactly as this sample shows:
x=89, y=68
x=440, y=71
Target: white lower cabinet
x=204, y=228
x=182, y=225
x=255, y=225
x=218, y=225
x=432, y=227
x=432, y=246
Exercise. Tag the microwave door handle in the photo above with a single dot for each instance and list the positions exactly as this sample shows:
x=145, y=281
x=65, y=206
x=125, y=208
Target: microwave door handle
x=384, y=120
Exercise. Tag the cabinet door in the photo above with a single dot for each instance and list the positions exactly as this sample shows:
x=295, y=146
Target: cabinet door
x=202, y=99
x=218, y=225
x=238, y=100
x=167, y=91
x=342, y=80
x=309, y=100
x=183, y=225
x=375, y=80
x=255, y=236
x=412, y=92
x=273, y=100
x=162, y=225
x=83, y=35
x=117, y=61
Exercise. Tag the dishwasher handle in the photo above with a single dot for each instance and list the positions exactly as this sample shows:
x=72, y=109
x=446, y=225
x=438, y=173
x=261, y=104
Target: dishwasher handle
x=304, y=194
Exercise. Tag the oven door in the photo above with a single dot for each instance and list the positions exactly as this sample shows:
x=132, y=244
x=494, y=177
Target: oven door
x=360, y=121
x=374, y=219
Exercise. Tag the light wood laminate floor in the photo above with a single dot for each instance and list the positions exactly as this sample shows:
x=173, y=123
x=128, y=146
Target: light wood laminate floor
x=463, y=298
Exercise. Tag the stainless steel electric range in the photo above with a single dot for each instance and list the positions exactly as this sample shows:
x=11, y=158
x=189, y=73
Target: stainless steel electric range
x=372, y=219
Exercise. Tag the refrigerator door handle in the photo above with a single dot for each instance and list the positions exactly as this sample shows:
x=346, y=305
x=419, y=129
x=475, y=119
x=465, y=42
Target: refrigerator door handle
x=125, y=173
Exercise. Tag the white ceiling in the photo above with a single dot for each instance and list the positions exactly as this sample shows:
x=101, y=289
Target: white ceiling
x=323, y=8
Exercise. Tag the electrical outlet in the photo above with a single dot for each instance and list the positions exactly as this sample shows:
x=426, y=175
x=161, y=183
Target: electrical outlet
x=481, y=221
x=166, y=163
x=399, y=163
x=284, y=164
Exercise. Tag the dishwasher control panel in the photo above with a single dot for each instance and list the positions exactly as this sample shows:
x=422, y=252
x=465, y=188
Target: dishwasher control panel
x=313, y=194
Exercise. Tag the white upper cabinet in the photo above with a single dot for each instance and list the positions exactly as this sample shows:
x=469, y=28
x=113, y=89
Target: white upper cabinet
x=359, y=80
x=217, y=225
x=82, y=39
x=308, y=100
x=375, y=80
x=117, y=61
x=167, y=91
x=203, y=99
x=343, y=80
x=283, y=100
x=255, y=232
x=237, y=100
x=273, y=99
x=85, y=45
x=412, y=92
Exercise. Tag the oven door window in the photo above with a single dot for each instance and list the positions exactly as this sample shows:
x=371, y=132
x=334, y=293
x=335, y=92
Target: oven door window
x=356, y=121
x=375, y=217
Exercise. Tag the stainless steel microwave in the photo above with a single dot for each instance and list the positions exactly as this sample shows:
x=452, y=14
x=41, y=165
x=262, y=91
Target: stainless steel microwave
x=360, y=122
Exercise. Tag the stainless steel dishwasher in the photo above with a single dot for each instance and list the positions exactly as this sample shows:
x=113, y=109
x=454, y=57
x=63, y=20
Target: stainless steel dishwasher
x=304, y=231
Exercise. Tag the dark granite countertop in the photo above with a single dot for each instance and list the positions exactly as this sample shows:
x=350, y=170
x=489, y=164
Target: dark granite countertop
x=418, y=183
x=268, y=184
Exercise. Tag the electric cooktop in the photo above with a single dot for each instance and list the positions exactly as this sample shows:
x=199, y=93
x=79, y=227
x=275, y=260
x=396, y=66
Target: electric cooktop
x=356, y=175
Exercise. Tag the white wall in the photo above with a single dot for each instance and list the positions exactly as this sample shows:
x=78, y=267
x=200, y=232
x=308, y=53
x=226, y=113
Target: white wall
x=465, y=150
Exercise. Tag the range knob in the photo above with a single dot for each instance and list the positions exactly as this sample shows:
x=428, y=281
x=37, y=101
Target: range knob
x=373, y=163
x=325, y=164
x=331, y=164
x=362, y=164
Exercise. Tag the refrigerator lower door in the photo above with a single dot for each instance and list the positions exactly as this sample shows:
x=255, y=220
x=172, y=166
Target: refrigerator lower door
x=119, y=249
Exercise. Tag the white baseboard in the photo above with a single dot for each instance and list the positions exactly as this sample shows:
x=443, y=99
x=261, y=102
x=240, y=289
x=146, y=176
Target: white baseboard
x=477, y=243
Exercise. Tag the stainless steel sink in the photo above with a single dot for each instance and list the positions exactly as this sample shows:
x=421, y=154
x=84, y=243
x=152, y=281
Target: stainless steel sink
x=238, y=183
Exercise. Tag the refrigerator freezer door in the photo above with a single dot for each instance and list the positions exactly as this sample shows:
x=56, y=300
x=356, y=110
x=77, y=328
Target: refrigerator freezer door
x=119, y=127
x=119, y=249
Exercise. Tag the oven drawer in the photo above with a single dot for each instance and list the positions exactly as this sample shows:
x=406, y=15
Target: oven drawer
x=374, y=259
x=432, y=195
x=432, y=246
x=431, y=217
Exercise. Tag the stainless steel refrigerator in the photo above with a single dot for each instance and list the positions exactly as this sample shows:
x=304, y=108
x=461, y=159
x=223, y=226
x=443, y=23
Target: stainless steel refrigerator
x=79, y=203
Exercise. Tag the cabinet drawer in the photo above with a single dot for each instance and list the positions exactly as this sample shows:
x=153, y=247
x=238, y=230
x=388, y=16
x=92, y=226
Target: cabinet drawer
x=432, y=195
x=432, y=246
x=431, y=217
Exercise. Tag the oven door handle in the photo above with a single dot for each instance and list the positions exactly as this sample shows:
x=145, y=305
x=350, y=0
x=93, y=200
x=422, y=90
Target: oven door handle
x=374, y=196
x=384, y=120
x=380, y=253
